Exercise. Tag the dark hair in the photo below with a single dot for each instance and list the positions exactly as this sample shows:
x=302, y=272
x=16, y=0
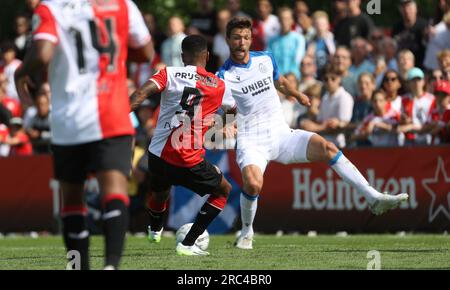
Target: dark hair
x=397, y=75
x=390, y=71
x=22, y=15
x=331, y=70
x=7, y=46
x=194, y=45
x=239, y=22
x=378, y=92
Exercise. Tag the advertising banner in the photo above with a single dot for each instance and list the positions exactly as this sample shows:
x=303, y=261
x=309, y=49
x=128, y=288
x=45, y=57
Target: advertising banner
x=303, y=197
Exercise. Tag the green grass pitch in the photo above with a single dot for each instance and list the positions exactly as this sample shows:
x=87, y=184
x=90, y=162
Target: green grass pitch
x=270, y=253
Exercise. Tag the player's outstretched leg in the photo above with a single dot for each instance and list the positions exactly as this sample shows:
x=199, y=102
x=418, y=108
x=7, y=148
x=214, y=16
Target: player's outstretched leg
x=73, y=214
x=157, y=206
x=115, y=203
x=209, y=211
x=253, y=181
x=321, y=150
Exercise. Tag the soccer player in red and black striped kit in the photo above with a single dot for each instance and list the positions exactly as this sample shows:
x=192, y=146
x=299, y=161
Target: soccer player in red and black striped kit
x=189, y=97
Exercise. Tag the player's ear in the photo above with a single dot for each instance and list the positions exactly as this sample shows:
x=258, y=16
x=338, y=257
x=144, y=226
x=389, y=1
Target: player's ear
x=227, y=40
x=207, y=56
x=183, y=58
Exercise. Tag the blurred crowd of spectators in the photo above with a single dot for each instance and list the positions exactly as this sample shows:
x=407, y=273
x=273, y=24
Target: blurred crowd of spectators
x=369, y=86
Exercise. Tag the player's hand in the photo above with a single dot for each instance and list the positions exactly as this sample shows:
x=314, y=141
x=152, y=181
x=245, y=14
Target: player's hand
x=304, y=100
x=23, y=86
x=230, y=130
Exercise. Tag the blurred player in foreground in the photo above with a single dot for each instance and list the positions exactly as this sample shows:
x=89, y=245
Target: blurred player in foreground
x=84, y=44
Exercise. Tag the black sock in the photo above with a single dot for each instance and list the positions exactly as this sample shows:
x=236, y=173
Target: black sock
x=156, y=220
x=76, y=237
x=206, y=215
x=115, y=223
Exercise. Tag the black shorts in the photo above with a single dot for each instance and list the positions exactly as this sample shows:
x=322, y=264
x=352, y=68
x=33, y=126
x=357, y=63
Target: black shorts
x=203, y=178
x=72, y=163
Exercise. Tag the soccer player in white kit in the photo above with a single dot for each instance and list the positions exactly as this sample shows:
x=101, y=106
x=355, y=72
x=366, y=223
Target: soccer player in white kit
x=263, y=135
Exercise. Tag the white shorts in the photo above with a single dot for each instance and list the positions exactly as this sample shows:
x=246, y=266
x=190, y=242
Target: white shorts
x=289, y=146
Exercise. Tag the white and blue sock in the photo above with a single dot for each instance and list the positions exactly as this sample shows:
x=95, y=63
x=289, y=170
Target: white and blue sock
x=249, y=204
x=350, y=174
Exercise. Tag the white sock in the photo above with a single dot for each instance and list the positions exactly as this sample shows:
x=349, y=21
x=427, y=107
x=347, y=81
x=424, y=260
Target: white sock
x=249, y=204
x=350, y=174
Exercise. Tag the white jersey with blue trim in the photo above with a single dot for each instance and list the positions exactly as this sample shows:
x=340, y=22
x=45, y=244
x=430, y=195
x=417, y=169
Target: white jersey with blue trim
x=252, y=87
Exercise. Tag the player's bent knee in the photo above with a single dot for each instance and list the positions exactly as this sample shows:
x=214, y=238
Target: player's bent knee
x=227, y=188
x=253, y=187
x=223, y=190
x=331, y=150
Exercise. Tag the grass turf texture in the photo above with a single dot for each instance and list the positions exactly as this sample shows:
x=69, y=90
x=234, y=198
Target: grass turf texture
x=270, y=253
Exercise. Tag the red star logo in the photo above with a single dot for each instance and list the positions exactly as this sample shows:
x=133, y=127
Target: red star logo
x=439, y=189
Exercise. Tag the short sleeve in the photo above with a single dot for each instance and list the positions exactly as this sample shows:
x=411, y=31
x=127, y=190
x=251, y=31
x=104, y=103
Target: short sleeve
x=276, y=74
x=44, y=24
x=160, y=79
x=346, y=104
x=138, y=33
x=228, y=102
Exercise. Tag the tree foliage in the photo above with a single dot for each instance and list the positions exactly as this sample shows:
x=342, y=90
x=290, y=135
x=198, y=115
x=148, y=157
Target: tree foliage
x=163, y=9
x=184, y=8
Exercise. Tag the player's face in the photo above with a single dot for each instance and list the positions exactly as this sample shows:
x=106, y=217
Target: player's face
x=239, y=42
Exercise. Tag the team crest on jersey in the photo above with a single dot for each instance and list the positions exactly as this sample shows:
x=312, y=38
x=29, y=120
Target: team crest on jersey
x=262, y=68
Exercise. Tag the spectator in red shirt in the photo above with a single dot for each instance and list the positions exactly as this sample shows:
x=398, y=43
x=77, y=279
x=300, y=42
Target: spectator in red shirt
x=265, y=26
x=18, y=140
x=13, y=105
x=9, y=64
x=439, y=121
x=4, y=132
x=379, y=127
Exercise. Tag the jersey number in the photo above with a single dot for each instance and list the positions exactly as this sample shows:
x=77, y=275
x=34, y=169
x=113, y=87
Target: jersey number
x=190, y=99
x=109, y=48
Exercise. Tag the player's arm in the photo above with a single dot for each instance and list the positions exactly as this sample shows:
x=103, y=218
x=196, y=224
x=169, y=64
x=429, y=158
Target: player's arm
x=289, y=89
x=140, y=44
x=33, y=67
x=148, y=89
x=141, y=54
x=35, y=64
